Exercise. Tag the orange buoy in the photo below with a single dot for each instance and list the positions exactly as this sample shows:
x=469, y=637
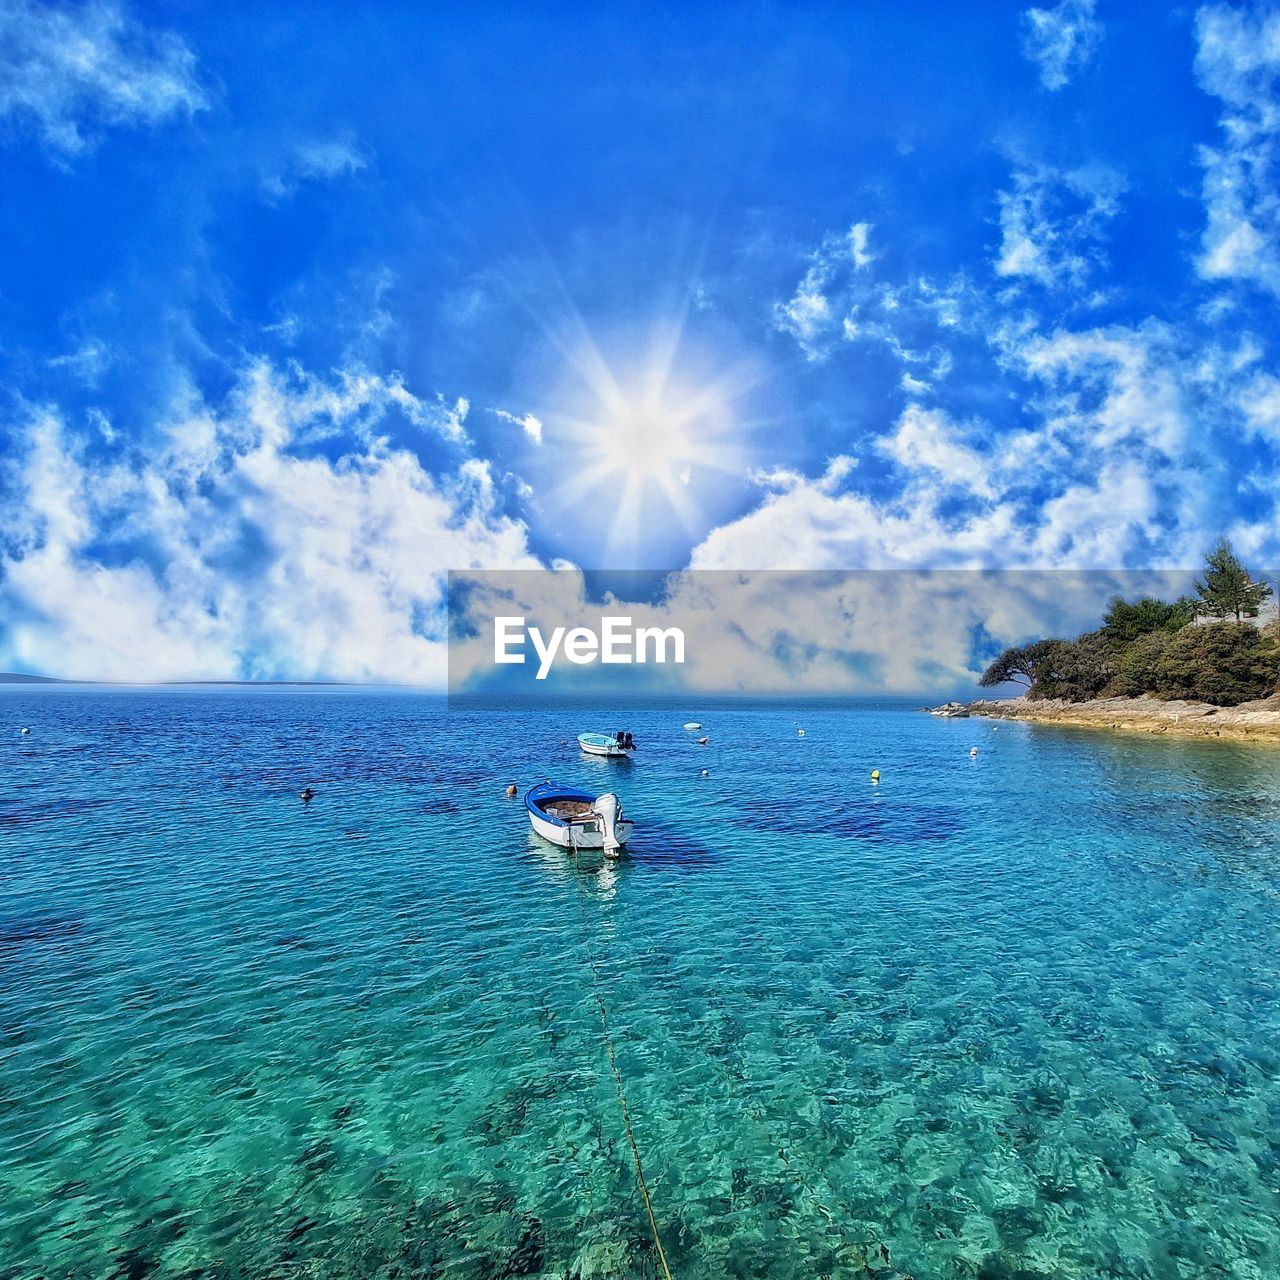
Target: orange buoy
x=512, y=789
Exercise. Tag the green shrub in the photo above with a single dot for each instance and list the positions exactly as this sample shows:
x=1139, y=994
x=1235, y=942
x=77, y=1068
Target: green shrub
x=1126, y=620
x=1138, y=666
x=1223, y=663
x=1078, y=669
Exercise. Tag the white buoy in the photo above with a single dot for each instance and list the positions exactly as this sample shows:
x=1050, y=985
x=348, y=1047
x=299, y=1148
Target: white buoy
x=25, y=729
x=799, y=733
x=973, y=751
x=706, y=773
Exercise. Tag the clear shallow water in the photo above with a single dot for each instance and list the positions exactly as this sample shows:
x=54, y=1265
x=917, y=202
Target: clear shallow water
x=1012, y=1017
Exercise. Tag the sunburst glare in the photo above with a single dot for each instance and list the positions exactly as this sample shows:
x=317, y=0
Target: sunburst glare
x=651, y=444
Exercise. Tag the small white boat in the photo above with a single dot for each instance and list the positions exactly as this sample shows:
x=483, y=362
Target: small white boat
x=576, y=819
x=606, y=744
x=693, y=724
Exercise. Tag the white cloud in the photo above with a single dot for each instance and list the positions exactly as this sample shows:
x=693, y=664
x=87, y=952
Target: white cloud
x=1113, y=387
x=1238, y=61
x=1260, y=401
x=1118, y=463
x=68, y=72
x=1061, y=40
x=242, y=550
x=859, y=234
x=1109, y=518
x=87, y=362
x=814, y=524
x=1052, y=222
x=330, y=157
x=531, y=426
x=840, y=300
x=294, y=404
x=317, y=160
x=808, y=316
x=927, y=441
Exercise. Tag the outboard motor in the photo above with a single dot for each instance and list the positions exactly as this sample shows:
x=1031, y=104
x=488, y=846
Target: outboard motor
x=609, y=809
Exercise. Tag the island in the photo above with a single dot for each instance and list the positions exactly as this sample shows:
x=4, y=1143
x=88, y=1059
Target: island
x=1205, y=665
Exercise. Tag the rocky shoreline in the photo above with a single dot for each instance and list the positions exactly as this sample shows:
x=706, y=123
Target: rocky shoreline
x=1250, y=721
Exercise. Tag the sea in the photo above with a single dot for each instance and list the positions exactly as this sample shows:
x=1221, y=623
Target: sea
x=1012, y=1015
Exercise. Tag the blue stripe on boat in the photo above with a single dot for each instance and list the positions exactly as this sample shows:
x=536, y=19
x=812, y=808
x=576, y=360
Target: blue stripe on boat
x=548, y=793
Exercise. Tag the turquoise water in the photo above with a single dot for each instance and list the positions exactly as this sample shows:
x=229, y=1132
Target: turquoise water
x=1012, y=1017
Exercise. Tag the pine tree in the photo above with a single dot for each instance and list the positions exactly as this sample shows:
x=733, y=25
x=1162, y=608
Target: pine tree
x=1227, y=590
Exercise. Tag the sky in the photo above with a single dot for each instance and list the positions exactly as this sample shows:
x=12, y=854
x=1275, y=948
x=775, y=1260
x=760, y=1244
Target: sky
x=302, y=306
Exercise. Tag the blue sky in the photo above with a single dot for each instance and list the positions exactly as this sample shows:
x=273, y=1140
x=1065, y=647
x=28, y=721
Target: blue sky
x=301, y=307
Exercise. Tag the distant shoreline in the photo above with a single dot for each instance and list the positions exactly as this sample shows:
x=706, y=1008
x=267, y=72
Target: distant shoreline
x=17, y=677
x=1248, y=722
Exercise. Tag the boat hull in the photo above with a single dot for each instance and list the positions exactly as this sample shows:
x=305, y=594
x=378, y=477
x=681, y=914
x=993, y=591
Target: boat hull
x=577, y=835
x=602, y=744
x=584, y=832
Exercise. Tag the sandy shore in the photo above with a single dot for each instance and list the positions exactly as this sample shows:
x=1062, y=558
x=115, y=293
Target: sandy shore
x=1251, y=721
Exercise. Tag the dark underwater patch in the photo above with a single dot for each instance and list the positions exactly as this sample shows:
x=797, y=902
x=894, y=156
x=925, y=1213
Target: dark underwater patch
x=22, y=931
x=880, y=823
x=18, y=815
x=655, y=844
x=439, y=805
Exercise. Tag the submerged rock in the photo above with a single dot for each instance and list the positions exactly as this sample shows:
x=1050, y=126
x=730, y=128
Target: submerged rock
x=526, y=1258
x=22, y=931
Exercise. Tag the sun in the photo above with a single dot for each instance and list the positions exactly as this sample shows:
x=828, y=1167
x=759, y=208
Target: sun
x=651, y=439
x=650, y=449
x=647, y=440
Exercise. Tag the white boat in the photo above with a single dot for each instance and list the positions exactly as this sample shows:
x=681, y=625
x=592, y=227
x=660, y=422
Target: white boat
x=693, y=724
x=576, y=819
x=606, y=744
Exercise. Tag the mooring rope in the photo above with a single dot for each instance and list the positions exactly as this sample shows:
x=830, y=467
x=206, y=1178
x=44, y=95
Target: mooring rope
x=596, y=990
x=762, y=1127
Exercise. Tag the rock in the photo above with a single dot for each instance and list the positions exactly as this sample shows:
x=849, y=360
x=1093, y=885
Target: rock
x=1250, y=721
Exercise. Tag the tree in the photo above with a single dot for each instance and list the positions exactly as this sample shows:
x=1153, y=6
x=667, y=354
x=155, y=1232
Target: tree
x=1077, y=670
x=1227, y=590
x=1022, y=664
x=1138, y=665
x=1224, y=663
x=1126, y=620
